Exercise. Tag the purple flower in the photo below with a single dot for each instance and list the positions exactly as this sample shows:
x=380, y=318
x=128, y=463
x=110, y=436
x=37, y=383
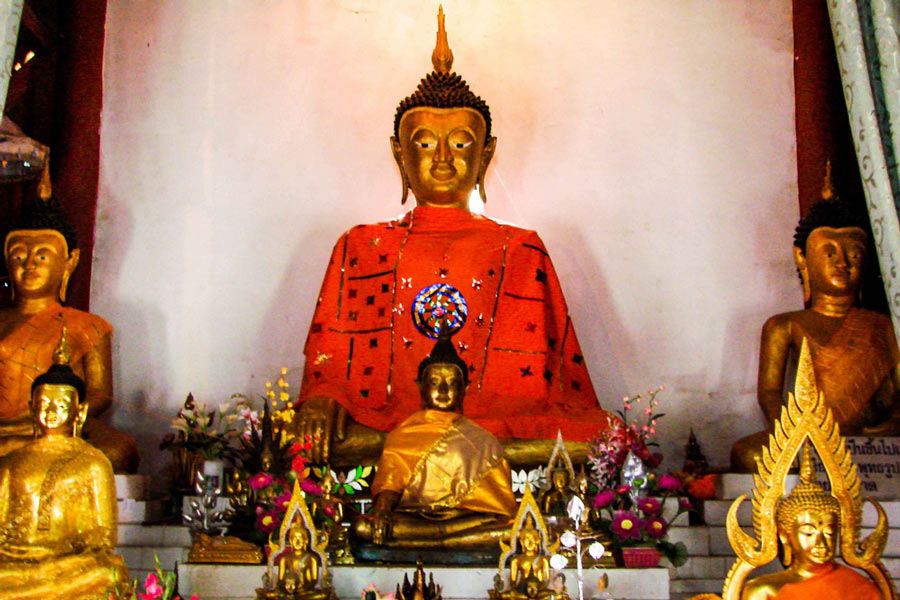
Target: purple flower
x=260, y=480
x=604, y=499
x=656, y=528
x=670, y=483
x=626, y=525
x=623, y=489
x=649, y=506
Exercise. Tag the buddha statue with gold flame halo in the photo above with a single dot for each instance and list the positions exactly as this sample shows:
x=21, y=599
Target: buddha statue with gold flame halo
x=390, y=287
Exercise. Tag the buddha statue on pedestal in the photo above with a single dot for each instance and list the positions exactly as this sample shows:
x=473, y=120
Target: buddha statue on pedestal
x=442, y=480
x=391, y=286
x=58, y=511
x=854, y=351
x=41, y=254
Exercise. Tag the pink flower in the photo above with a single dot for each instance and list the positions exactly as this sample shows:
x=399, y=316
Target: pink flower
x=656, y=528
x=670, y=483
x=649, y=506
x=152, y=589
x=267, y=521
x=260, y=481
x=281, y=502
x=626, y=525
x=623, y=489
x=604, y=499
x=310, y=488
x=685, y=504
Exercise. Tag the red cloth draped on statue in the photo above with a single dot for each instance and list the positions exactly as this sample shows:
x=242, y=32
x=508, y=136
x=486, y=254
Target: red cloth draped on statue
x=838, y=583
x=363, y=350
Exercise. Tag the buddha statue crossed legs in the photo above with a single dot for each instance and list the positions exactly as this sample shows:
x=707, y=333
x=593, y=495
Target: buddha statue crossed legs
x=442, y=481
x=390, y=286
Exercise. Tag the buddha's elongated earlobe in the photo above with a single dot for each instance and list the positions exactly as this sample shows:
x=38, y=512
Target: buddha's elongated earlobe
x=71, y=263
x=486, y=155
x=803, y=269
x=404, y=178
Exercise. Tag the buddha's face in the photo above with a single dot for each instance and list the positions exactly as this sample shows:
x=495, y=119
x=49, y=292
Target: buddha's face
x=834, y=260
x=55, y=408
x=812, y=539
x=560, y=479
x=443, y=152
x=38, y=262
x=299, y=539
x=530, y=540
x=442, y=387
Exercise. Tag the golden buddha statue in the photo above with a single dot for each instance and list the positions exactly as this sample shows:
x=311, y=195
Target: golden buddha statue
x=442, y=481
x=528, y=557
x=553, y=500
x=391, y=286
x=58, y=511
x=297, y=566
x=810, y=523
x=41, y=254
x=854, y=351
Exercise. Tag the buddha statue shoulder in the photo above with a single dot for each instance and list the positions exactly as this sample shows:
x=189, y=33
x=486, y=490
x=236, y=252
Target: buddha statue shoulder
x=391, y=286
x=58, y=511
x=854, y=350
x=442, y=480
x=41, y=253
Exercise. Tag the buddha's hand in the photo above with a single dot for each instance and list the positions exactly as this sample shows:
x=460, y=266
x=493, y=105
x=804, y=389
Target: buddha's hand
x=320, y=420
x=381, y=527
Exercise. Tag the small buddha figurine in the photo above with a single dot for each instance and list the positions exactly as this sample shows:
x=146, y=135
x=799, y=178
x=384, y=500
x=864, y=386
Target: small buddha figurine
x=442, y=481
x=390, y=287
x=808, y=521
x=41, y=254
x=854, y=351
x=298, y=567
x=529, y=564
x=58, y=511
x=554, y=499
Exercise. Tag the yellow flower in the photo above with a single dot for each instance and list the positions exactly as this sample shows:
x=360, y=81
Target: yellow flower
x=284, y=396
x=268, y=385
x=284, y=370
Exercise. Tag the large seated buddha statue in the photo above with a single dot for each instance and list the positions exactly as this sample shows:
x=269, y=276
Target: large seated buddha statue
x=41, y=254
x=391, y=286
x=442, y=480
x=854, y=350
x=58, y=511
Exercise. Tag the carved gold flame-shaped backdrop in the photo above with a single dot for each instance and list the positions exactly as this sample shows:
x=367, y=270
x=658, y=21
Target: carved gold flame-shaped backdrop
x=805, y=418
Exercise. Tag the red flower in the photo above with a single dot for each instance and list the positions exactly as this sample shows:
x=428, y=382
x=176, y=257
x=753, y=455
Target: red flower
x=649, y=506
x=298, y=463
x=670, y=483
x=702, y=488
x=656, y=528
x=260, y=480
x=604, y=499
x=626, y=525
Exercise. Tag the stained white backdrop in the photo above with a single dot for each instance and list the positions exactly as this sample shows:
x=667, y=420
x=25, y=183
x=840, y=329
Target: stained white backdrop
x=651, y=143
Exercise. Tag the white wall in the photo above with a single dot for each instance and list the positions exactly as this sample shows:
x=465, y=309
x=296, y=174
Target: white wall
x=650, y=142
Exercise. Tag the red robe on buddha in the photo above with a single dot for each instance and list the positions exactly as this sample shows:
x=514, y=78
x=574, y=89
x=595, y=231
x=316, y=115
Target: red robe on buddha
x=388, y=283
x=837, y=583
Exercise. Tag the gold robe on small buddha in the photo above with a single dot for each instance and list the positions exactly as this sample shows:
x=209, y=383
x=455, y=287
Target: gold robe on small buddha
x=58, y=523
x=461, y=469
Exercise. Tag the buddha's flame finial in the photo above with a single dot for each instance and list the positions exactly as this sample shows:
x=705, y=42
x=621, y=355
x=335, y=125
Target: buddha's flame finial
x=45, y=189
x=442, y=57
x=62, y=354
x=828, y=192
x=807, y=469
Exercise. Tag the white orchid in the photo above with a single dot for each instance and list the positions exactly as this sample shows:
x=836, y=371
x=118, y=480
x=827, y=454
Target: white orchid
x=536, y=478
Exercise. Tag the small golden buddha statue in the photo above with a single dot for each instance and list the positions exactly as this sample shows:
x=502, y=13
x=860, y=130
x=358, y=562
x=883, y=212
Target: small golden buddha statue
x=854, y=350
x=554, y=499
x=442, y=481
x=528, y=559
x=809, y=524
x=297, y=567
x=391, y=286
x=41, y=254
x=58, y=511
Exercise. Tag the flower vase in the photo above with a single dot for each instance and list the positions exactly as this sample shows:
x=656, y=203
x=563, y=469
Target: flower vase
x=640, y=557
x=214, y=472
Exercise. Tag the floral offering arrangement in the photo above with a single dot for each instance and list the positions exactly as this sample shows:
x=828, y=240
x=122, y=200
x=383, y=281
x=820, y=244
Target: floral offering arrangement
x=631, y=501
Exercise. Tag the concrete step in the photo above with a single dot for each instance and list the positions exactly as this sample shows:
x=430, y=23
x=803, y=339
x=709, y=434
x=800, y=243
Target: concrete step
x=715, y=512
x=139, y=511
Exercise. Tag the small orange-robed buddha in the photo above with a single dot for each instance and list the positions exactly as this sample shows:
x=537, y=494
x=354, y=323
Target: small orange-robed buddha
x=391, y=286
x=854, y=351
x=442, y=480
x=41, y=254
